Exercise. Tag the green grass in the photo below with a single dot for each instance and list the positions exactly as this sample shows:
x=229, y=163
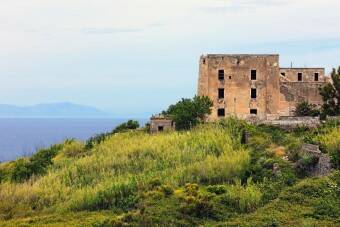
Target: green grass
x=204, y=176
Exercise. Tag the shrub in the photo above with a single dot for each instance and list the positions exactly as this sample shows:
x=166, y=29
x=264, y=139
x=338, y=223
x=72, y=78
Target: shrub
x=306, y=109
x=73, y=149
x=305, y=164
x=327, y=208
x=129, y=125
x=243, y=198
x=217, y=189
x=167, y=190
x=330, y=143
x=22, y=171
x=35, y=165
x=189, y=112
x=118, y=197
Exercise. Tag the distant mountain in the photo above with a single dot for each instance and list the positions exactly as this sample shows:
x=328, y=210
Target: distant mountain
x=54, y=110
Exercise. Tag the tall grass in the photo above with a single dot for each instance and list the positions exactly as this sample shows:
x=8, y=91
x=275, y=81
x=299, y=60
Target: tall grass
x=330, y=143
x=111, y=175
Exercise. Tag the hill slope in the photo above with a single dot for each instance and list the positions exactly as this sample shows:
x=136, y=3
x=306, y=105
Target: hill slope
x=201, y=177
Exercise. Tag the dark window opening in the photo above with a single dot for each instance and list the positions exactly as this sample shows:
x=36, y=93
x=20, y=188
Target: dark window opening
x=221, y=93
x=221, y=74
x=316, y=77
x=253, y=75
x=160, y=128
x=299, y=76
x=229, y=77
x=253, y=111
x=283, y=74
x=221, y=112
x=253, y=93
x=203, y=61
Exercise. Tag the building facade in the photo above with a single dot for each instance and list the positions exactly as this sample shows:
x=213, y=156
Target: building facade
x=161, y=123
x=248, y=86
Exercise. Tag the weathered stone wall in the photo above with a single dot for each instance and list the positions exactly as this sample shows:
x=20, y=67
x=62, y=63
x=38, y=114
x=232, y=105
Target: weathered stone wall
x=293, y=93
x=237, y=84
x=307, y=74
x=160, y=123
x=278, y=89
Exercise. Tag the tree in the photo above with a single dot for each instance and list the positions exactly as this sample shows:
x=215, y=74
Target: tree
x=189, y=112
x=130, y=124
x=331, y=95
x=306, y=109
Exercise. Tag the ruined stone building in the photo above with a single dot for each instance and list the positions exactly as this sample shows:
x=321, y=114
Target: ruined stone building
x=246, y=86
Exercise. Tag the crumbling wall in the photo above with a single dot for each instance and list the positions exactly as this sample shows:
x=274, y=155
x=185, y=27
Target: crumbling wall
x=293, y=93
x=237, y=84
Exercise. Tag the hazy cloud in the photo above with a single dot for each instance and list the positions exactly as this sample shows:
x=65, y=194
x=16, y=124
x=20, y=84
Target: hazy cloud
x=110, y=30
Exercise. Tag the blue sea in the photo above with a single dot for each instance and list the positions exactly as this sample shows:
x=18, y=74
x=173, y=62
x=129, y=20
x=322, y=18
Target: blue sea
x=22, y=137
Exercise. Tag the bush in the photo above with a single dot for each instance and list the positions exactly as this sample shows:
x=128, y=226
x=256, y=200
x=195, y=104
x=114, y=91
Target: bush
x=217, y=189
x=243, y=198
x=117, y=197
x=35, y=165
x=197, y=204
x=330, y=143
x=306, y=109
x=305, y=164
x=73, y=149
x=327, y=208
x=189, y=112
x=129, y=125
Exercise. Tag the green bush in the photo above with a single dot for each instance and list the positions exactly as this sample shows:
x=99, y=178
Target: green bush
x=306, y=109
x=117, y=197
x=243, y=198
x=187, y=113
x=327, y=208
x=217, y=189
x=35, y=165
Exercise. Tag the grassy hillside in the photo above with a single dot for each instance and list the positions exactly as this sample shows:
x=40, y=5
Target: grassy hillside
x=205, y=176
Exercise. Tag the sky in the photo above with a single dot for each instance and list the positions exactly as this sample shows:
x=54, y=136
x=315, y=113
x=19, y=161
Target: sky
x=133, y=58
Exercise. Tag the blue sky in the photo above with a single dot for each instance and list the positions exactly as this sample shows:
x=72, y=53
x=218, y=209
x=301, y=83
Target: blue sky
x=135, y=57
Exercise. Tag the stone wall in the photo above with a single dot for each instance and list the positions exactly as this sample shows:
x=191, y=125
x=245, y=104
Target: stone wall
x=237, y=84
x=278, y=90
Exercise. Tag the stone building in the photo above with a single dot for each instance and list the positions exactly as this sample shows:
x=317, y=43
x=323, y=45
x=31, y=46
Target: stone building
x=160, y=123
x=248, y=86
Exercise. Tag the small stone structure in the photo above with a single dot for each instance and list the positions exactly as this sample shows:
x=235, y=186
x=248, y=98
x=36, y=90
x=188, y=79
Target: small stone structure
x=323, y=166
x=160, y=123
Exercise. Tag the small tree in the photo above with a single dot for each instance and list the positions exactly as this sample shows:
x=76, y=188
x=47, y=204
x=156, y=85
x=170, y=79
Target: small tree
x=306, y=109
x=130, y=124
x=331, y=95
x=189, y=112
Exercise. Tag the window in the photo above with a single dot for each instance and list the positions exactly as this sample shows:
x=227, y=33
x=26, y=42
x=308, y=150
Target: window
x=203, y=61
x=229, y=77
x=221, y=112
x=253, y=111
x=253, y=93
x=221, y=93
x=299, y=76
x=253, y=75
x=283, y=74
x=316, y=77
x=221, y=74
x=160, y=128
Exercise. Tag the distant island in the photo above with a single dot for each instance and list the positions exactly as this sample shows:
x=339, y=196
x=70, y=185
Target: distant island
x=51, y=110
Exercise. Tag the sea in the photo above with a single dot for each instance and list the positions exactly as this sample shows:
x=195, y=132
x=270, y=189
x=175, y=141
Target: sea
x=22, y=137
